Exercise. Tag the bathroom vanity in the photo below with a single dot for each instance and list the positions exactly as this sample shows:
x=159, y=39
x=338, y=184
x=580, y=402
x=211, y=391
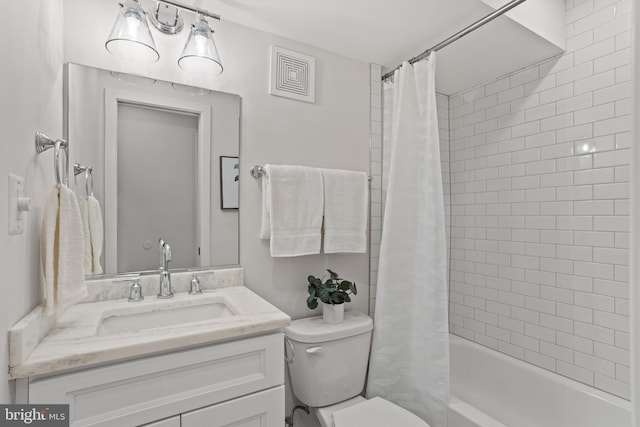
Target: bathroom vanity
x=217, y=361
x=224, y=384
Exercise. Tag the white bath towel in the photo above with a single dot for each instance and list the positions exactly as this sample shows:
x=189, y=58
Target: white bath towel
x=62, y=250
x=86, y=233
x=346, y=204
x=292, y=201
x=96, y=228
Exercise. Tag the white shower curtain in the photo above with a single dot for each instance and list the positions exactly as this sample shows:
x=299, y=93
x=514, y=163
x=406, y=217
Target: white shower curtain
x=410, y=351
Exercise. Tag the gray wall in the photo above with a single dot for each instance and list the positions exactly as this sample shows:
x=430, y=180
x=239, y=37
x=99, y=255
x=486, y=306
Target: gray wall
x=30, y=100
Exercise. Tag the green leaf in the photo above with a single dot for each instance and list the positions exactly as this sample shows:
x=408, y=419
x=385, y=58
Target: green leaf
x=312, y=303
x=347, y=298
x=354, y=289
x=333, y=275
x=312, y=291
x=345, y=285
x=310, y=279
x=323, y=294
x=317, y=281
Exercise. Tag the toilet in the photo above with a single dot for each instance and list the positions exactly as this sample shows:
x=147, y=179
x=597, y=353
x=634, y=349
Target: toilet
x=328, y=365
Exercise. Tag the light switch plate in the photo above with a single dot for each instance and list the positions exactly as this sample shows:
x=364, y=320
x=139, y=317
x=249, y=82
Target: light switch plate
x=16, y=189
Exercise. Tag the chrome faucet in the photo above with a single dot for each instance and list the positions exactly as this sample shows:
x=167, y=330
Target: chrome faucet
x=165, y=276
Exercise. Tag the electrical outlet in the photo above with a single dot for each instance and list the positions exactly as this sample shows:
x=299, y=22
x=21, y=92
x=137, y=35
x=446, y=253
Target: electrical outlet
x=16, y=190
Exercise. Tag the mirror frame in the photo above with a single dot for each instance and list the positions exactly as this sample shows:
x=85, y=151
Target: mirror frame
x=185, y=105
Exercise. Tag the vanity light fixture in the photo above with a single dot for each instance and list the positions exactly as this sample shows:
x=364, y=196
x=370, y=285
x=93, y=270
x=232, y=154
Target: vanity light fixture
x=131, y=38
x=200, y=53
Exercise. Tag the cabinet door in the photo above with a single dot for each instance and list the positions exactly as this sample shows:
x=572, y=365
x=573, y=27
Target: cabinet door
x=263, y=409
x=169, y=422
x=136, y=392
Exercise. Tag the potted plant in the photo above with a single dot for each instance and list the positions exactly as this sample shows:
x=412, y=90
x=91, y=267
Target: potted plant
x=333, y=293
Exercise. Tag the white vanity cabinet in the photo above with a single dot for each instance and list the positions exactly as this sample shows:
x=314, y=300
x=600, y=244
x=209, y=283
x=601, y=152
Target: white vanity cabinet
x=255, y=410
x=237, y=383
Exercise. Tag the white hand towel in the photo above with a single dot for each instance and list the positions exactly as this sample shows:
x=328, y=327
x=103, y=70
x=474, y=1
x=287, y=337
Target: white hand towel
x=346, y=203
x=292, y=201
x=88, y=256
x=48, y=244
x=96, y=228
x=62, y=250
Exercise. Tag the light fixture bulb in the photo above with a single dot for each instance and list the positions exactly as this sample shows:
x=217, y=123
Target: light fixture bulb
x=133, y=22
x=200, y=54
x=130, y=37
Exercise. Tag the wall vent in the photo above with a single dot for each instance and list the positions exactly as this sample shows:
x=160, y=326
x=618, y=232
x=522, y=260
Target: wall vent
x=292, y=75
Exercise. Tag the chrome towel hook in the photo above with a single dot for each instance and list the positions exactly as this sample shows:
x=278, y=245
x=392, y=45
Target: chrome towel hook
x=43, y=143
x=88, y=173
x=64, y=178
x=89, y=188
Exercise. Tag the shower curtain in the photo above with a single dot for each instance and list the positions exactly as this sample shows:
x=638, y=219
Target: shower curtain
x=410, y=350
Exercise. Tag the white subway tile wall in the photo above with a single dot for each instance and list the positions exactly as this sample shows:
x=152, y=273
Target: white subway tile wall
x=539, y=173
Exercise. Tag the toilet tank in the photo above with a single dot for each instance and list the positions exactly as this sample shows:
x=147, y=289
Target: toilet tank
x=328, y=363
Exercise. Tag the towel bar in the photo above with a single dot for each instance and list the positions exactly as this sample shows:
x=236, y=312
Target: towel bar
x=257, y=171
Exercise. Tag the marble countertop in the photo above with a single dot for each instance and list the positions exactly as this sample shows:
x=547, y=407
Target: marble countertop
x=74, y=340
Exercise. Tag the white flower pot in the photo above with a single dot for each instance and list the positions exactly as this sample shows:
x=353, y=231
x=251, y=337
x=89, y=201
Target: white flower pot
x=333, y=313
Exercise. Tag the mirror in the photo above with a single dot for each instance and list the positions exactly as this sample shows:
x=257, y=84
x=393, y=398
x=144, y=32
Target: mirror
x=165, y=162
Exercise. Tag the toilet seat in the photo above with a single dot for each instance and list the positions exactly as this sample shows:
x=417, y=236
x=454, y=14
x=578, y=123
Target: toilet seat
x=376, y=412
x=325, y=414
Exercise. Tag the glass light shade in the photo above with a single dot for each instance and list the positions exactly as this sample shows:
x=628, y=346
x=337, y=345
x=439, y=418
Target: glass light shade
x=130, y=37
x=200, y=54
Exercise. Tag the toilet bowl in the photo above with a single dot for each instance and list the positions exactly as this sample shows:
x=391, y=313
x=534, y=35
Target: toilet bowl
x=328, y=364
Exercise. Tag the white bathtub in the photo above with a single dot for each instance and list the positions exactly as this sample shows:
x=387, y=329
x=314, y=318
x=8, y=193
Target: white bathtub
x=490, y=389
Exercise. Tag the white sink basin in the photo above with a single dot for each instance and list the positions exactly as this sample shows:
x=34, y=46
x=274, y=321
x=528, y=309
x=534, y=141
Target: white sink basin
x=141, y=318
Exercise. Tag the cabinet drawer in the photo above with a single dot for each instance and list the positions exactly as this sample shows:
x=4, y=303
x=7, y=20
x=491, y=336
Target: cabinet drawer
x=169, y=422
x=263, y=409
x=141, y=391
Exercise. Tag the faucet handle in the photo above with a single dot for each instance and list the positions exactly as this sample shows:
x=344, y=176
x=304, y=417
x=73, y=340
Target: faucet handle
x=195, y=288
x=135, y=292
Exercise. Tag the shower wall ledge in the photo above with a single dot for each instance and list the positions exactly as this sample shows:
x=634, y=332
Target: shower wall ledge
x=528, y=34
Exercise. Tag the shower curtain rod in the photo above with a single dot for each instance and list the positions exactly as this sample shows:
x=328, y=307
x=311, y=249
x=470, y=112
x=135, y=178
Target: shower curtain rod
x=498, y=12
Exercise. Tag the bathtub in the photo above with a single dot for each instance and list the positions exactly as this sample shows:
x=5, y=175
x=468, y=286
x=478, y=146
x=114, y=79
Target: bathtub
x=490, y=389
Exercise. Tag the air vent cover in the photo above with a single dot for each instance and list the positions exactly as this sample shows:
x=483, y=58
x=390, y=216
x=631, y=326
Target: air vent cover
x=292, y=75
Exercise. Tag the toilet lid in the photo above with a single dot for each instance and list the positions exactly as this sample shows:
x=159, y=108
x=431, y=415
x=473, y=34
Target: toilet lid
x=376, y=412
